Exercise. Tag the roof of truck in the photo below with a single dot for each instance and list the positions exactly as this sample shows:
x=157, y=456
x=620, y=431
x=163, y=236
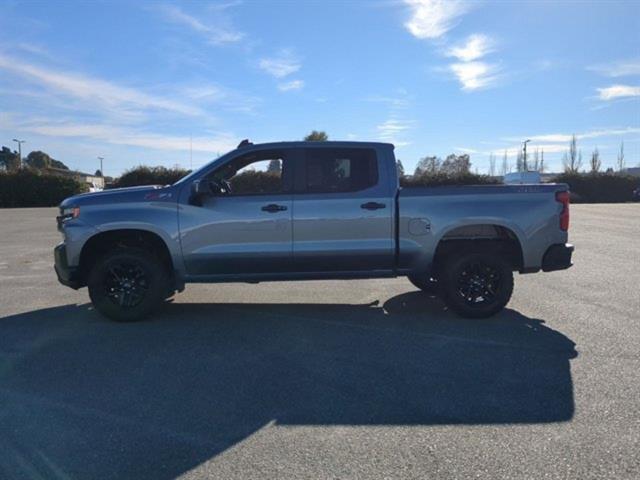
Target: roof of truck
x=299, y=144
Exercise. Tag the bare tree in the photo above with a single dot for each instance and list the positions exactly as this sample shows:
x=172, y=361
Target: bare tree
x=536, y=160
x=595, y=162
x=572, y=160
x=492, y=164
x=504, y=169
x=427, y=165
x=520, y=165
x=621, y=162
x=541, y=169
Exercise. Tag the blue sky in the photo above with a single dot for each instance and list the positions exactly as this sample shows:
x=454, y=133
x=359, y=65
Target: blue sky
x=138, y=83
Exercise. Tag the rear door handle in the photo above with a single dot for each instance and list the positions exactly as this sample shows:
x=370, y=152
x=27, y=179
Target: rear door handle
x=372, y=205
x=273, y=208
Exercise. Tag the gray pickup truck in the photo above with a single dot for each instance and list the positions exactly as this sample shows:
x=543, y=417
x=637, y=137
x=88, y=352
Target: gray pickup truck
x=309, y=210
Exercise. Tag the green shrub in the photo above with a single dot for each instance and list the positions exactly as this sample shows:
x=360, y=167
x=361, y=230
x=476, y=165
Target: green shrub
x=434, y=179
x=28, y=188
x=599, y=187
x=252, y=181
x=144, y=175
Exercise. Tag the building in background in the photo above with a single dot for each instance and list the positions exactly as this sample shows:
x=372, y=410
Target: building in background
x=95, y=183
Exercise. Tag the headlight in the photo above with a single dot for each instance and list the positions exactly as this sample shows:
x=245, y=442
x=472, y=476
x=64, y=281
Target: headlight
x=67, y=214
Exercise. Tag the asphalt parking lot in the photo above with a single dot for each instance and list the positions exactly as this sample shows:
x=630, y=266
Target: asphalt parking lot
x=332, y=379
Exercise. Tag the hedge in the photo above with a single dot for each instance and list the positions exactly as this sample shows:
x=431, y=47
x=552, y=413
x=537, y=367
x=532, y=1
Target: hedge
x=440, y=179
x=599, y=187
x=149, y=176
x=28, y=188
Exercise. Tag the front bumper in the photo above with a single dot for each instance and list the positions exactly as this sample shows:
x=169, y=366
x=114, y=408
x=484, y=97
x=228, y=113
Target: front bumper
x=67, y=276
x=557, y=257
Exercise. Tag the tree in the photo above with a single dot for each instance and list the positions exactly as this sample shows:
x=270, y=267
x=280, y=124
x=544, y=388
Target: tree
x=9, y=160
x=520, y=167
x=40, y=160
x=595, y=162
x=316, y=136
x=504, y=169
x=492, y=164
x=456, y=164
x=274, y=167
x=621, y=163
x=400, y=168
x=536, y=160
x=541, y=169
x=572, y=159
x=427, y=165
x=98, y=173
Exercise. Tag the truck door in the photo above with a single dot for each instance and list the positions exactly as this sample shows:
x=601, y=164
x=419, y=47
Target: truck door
x=245, y=227
x=342, y=211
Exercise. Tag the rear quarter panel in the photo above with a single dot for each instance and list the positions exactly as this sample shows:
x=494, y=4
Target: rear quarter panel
x=529, y=211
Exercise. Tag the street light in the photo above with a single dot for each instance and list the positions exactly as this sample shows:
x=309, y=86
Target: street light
x=19, y=142
x=524, y=148
x=101, y=171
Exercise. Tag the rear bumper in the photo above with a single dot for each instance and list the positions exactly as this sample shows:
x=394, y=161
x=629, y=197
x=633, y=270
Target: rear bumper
x=557, y=257
x=66, y=275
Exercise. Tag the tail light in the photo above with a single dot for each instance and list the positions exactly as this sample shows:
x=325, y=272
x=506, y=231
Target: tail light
x=563, y=198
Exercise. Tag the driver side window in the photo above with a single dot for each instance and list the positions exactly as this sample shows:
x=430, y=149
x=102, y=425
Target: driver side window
x=255, y=173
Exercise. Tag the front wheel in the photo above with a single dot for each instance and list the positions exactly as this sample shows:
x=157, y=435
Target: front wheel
x=127, y=284
x=476, y=285
x=425, y=283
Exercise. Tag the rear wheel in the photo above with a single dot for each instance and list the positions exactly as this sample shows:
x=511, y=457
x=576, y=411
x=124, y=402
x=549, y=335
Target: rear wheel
x=127, y=284
x=476, y=285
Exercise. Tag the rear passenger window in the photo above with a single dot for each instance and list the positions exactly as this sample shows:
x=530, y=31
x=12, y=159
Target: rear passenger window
x=332, y=170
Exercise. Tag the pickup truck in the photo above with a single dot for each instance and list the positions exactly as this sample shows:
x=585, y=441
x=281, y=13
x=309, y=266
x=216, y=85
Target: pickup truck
x=309, y=210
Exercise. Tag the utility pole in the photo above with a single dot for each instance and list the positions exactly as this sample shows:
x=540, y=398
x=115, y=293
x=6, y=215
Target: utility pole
x=524, y=160
x=101, y=170
x=191, y=151
x=19, y=142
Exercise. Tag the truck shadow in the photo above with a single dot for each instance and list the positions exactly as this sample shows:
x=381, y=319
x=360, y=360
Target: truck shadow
x=87, y=398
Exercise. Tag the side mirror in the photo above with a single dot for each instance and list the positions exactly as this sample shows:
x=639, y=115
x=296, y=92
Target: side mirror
x=201, y=188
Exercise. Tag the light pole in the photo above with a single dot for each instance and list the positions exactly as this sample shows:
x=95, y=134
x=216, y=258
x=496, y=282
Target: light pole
x=19, y=142
x=101, y=171
x=524, y=148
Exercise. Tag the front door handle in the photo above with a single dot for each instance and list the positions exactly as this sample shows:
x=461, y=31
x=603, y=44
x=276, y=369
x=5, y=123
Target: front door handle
x=372, y=205
x=273, y=208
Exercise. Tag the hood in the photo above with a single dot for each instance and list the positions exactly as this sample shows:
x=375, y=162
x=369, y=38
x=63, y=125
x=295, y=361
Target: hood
x=120, y=195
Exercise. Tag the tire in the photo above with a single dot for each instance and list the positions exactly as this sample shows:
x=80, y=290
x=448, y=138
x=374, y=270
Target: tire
x=424, y=283
x=476, y=285
x=127, y=284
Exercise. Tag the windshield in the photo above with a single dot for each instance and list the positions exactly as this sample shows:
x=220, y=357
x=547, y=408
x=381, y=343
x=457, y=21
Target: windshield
x=198, y=170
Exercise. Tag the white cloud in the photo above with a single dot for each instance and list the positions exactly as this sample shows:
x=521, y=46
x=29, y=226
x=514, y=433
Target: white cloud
x=95, y=91
x=431, y=19
x=475, y=47
x=620, y=68
x=281, y=65
x=217, y=30
x=292, y=85
x=618, y=91
x=475, y=75
x=566, y=137
x=392, y=131
x=218, y=142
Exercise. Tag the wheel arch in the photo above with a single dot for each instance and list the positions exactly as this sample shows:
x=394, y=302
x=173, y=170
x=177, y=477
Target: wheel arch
x=107, y=240
x=482, y=236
